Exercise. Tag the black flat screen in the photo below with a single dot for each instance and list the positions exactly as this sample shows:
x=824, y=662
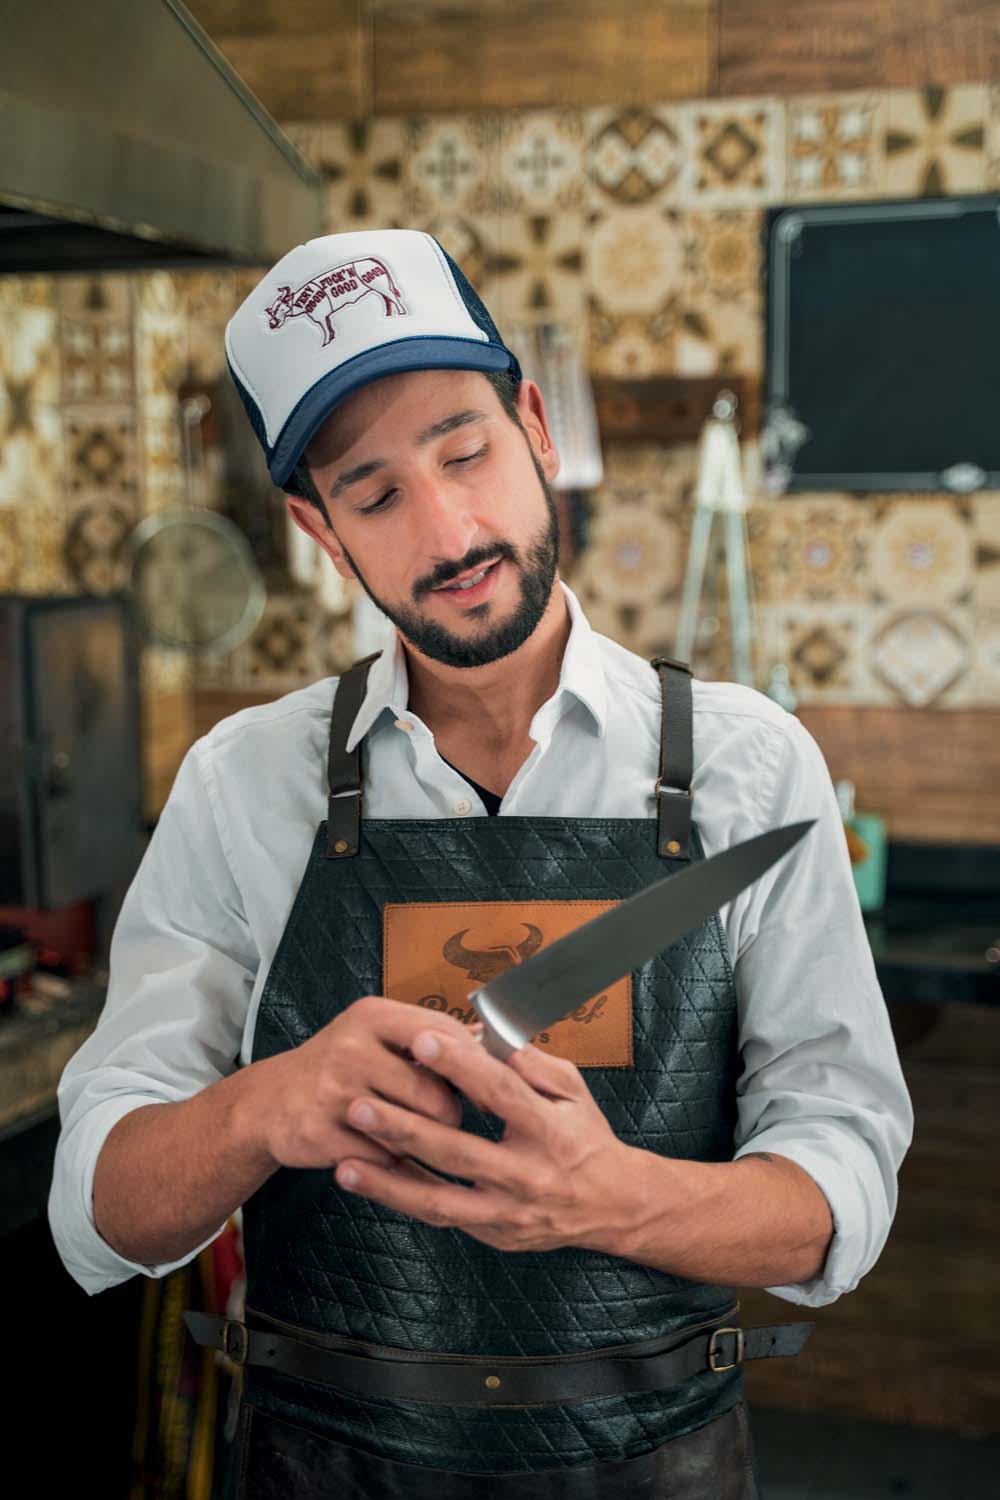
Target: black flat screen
x=884, y=343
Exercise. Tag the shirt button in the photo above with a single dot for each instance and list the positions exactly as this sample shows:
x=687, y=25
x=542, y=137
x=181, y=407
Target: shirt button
x=404, y=724
x=463, y=806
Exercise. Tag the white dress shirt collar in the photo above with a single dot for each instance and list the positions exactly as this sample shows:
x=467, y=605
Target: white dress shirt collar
x=581, y=677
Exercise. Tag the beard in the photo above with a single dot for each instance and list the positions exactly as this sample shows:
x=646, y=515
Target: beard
x=536, y=570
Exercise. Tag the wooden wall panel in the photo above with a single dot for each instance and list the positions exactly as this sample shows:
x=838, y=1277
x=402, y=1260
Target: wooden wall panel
x=531, y=54
x=346, y=59
x=305, y=60
x=776, y=47
x=934, y=774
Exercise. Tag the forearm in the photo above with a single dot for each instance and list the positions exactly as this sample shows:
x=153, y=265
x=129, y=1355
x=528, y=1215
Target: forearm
x=756, y=1222
x=169, y=1175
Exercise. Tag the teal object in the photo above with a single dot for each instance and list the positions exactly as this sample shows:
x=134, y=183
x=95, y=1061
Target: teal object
x=869, y=874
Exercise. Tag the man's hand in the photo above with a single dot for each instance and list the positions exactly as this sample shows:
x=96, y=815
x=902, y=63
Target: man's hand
x=296, y=1110
x=555, y=1179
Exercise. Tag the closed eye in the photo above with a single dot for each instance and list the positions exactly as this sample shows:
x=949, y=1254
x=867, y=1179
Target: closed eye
x=468, y=458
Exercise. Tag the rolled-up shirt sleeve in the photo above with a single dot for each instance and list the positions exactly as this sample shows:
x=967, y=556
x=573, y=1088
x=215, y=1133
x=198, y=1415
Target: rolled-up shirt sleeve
x=182, y=969
x=821, y=1083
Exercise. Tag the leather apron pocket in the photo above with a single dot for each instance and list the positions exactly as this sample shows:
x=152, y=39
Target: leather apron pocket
x=279, y=1459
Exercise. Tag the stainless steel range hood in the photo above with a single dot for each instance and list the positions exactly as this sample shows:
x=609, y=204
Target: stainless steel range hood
x=126, y=140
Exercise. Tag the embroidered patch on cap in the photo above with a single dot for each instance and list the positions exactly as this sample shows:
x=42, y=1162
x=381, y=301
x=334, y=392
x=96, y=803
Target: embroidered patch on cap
x=323, y=297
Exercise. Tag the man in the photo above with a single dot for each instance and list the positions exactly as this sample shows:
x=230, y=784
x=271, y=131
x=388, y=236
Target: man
x=512, y=1279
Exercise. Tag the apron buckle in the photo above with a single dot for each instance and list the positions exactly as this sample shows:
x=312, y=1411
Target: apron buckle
x=714, y=1353
x=234, y=1341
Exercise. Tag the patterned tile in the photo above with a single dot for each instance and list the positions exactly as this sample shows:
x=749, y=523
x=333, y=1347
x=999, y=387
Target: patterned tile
x=11, y=556
x=823, y=647
x=920, y=654
x=94, y=547
x=815, y=548
x=633, y=555
x=735, y=152
x=985, y=673
x=471, y=240
x=97, y=361
x=281, y=653
x=647, y=629
x=661, y=478
x=634, y=156
x=30, y=429
x=935, y=140
x=100, y=454
x=835, y=147
x=160, y=345
x=541, y=161
x=362, y=163
x=208, y=300
x=634, y=345
x=986, y=538
x=451, y=165
x=635, y=258
x=539, y=266
x=43, y=566
x=721, y=328
x=718, y=338
x=922, y=551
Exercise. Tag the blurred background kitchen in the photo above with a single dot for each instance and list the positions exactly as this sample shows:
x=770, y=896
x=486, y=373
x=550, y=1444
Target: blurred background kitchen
x=749, y=248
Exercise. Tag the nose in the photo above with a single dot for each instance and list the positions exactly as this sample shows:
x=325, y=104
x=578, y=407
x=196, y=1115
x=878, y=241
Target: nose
x=447, y=525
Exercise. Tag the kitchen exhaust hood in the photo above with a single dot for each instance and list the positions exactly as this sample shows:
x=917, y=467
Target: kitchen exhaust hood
x=127, y=141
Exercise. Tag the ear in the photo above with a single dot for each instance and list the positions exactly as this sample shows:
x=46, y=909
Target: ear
x=531, y=409
x=310, y=520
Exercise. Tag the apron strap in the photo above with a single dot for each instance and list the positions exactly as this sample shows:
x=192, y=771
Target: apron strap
x=673, y=785
x=343, y=813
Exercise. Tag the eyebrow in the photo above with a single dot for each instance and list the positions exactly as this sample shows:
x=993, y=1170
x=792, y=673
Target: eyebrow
x=436, y=430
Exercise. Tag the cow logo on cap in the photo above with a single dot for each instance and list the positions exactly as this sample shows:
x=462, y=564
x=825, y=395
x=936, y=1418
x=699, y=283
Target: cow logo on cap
x=324, y=296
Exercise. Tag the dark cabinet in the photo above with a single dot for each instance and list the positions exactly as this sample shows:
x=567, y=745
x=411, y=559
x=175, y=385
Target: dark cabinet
x=70, y=779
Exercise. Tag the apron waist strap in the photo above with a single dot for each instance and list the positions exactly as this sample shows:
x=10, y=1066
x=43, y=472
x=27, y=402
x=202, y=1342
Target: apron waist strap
x=482, y=1380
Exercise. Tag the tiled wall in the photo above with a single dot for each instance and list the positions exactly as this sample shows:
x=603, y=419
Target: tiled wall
x=641, y=227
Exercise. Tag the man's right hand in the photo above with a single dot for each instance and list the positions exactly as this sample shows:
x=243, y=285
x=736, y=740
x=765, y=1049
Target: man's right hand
x=302, y=1095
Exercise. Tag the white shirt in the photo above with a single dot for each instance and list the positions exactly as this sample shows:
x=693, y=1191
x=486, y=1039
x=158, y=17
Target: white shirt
x=821, y=1081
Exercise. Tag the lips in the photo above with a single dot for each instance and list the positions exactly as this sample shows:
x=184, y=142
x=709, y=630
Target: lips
x=479, y=574
x=474, y=592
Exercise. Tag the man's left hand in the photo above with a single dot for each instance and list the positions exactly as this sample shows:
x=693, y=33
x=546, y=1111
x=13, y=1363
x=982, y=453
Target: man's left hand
x=558, y=1177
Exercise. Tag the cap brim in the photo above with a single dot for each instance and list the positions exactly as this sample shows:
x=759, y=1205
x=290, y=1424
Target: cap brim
x=438, y=353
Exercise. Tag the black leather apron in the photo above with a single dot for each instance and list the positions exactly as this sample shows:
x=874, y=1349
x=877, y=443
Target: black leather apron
x=428, y=1365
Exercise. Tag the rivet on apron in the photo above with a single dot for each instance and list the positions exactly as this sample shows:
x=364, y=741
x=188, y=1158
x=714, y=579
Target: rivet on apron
x=672, y=848
x=492, y=1382
x=340, y=846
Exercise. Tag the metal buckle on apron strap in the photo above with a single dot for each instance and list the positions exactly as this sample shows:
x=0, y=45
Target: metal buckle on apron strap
x=485, y=1380
x=713, y=1352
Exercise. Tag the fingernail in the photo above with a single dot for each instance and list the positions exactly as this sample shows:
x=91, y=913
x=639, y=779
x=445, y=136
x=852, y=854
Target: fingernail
x=348, y=1177
x=427, y=1047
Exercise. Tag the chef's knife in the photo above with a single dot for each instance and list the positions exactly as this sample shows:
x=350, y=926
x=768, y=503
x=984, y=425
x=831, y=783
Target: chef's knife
x=548, y=986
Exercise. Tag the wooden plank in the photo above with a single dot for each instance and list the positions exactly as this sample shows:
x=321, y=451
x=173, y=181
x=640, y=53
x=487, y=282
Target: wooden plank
x=771, y=47
x=669, y=409
x=940, y=42
x=529, y=54
x=235, y=18
x=933, y=774
x=304, y=75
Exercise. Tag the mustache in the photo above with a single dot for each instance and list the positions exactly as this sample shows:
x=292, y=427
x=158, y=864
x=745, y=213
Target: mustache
x=446, y=572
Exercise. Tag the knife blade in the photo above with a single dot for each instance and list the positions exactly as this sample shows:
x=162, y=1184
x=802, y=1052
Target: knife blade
x=544, y=989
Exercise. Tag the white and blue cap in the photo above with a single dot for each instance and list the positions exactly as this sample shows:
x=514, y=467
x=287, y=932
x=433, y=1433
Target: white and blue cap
x=342, y=311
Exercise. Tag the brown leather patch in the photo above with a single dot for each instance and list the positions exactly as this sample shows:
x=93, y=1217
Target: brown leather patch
x=435, y=954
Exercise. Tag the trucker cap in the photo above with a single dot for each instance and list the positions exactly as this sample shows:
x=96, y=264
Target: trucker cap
x=341, y=311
